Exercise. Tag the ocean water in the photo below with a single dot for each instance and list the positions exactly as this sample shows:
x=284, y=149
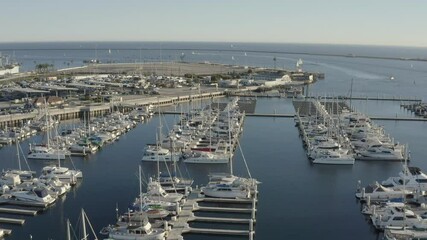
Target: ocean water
x=297, y=200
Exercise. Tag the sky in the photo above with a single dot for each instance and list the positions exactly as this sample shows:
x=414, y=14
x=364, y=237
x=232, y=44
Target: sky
x=366, y=22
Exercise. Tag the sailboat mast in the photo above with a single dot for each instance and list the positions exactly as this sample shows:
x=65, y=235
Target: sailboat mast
x=229, y=140
x=68, y=230
x=158, y=160
x=140, y=189
x=84, y=225
x=17, y=154
x=351, y=92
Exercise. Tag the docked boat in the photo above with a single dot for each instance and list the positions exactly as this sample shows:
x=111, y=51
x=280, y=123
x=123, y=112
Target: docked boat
x=173, y=183
x=334, y=157
x=142, y=231
x=380, y=153
x=405, y=233
x=396, y=217
x=43, y=152
x=62, y=173
x=36, y=195
x=226, y=191
x=150, y=210
x=411, y=178
x=377, y=192
x=156, y=192
x=156, y=153
x=205, y=157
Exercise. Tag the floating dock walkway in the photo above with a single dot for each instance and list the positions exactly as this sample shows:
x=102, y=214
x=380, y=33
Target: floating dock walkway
x=18, y=211
x=180, y=223
x=12, y=221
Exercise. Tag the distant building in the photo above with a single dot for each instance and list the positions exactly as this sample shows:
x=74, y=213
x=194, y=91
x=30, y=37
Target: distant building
x=51, y=101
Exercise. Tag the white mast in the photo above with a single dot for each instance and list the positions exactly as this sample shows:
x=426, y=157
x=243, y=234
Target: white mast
x=229, y=140
x=84, y=225
x=68, y=230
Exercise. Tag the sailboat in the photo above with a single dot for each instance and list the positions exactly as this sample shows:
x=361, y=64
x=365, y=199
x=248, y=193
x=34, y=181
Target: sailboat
x=84, y=218
x=23, y=174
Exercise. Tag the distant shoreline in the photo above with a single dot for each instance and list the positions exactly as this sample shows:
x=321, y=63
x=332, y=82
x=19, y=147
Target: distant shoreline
x=224, y=50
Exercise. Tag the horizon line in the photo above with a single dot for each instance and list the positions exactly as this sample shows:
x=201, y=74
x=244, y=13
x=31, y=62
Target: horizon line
x=204, y=41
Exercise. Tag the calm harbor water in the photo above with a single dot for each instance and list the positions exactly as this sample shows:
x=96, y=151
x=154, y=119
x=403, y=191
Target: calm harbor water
x=297, y=200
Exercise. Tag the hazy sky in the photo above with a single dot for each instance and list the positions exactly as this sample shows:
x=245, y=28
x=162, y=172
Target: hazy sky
x=379, y=22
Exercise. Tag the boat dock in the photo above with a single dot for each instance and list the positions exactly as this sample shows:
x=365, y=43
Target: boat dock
x=180, y=223
x=18, y=211
x=12, y=221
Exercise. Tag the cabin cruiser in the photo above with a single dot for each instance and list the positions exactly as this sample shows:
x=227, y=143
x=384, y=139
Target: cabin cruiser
x=411, y=178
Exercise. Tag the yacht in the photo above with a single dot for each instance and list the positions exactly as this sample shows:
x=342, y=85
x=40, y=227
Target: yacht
x=334, y=157
x=377, y=192
x=396, y=217
x=405, y=234
x=411, y=178
x=379, y=152
x=36, y=195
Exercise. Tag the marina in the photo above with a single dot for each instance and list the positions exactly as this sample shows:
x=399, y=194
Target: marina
x=272, y=148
